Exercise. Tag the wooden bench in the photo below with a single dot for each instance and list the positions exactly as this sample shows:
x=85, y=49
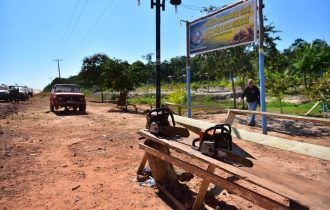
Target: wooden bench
x=317, y=151
x=302, y=193
x=232, y=112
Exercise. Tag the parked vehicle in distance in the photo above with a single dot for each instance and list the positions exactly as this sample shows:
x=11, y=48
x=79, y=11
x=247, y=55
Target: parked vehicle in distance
x=14, y=92
x=67, y=96
x=30, y=92
x=23, y=93
x=4, y=93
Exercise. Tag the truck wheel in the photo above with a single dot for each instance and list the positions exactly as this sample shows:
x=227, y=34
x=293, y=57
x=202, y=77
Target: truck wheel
x=82, y=108
x=51, y=108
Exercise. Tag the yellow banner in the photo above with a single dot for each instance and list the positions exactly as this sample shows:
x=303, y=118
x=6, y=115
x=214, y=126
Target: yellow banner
x=223, y=29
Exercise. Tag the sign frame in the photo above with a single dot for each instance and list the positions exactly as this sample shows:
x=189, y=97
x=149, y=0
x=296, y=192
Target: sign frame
x=217, y=12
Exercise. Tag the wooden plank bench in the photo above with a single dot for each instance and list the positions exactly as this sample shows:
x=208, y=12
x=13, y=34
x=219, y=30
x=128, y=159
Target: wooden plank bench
x=317, y=151
x=232, y=112
x=302, y=193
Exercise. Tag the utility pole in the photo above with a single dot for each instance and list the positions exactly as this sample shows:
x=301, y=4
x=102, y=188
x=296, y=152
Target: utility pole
x=261, y=67
x=58, y=67
x=159, y=6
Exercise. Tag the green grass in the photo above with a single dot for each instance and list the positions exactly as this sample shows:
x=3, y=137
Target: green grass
x=150, y=100
x=288, y=108
x=295, y=109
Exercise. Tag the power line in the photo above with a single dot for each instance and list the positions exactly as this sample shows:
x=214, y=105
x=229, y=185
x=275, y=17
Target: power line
x=75, y=25
x=192, y=8
x=96, y=22
x=68, y=25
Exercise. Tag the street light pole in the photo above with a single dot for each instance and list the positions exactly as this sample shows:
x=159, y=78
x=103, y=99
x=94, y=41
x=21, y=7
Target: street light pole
x=158, y=6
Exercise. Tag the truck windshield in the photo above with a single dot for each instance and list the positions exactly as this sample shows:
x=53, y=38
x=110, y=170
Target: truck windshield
x=67, y=88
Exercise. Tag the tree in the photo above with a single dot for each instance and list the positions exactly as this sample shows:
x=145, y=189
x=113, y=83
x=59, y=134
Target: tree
x=320, y=91
x=140, y=72
x=122, y=77
x=91, y=71
x=309, y=58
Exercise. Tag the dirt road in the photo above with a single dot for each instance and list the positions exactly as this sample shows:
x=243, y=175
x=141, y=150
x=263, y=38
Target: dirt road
x=69, y=161
x=89, y=160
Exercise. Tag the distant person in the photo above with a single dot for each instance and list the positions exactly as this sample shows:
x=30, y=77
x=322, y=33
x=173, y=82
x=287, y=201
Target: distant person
x=252, y=94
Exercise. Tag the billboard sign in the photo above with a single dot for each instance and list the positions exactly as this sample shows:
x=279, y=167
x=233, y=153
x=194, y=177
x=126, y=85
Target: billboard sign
x=224, y=28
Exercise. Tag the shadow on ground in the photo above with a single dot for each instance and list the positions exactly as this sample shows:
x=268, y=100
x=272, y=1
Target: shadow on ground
x=187, y=197
x=292, y=128
x=69, y=113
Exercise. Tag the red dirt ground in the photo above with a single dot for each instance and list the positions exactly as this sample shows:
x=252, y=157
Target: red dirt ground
x=89, y=161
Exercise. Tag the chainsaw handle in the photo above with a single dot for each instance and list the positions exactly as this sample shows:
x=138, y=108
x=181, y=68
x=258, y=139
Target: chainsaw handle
x=172, y=117
x=194, y=144
x=222, y=127
x=163, y=110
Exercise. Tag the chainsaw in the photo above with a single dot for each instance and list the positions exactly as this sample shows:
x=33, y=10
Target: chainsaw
x=216, y=142
x=158, y=124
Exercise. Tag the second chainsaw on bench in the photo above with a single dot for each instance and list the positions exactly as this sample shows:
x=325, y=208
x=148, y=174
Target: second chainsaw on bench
x=216, y=142
x=158, y=124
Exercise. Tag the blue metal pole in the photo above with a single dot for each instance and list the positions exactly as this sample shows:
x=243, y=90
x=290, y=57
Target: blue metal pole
x=188, y=72
x=262, y=90
x=188, y=93
x=261, y=67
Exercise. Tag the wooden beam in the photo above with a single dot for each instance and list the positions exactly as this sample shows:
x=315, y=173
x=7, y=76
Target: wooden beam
x=311, y=109
x=230, y=117
x=296, y=188
x=268, y=114
x=162, y=171
x=283, y=116
x=202, y=190
x=312, y=150
x=241, y=191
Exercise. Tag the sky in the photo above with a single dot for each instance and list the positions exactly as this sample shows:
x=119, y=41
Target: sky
x=35, y=32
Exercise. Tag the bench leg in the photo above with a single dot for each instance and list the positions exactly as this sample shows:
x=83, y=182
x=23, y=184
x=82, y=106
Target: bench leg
x=202, y=190
x=162, y=171
x=230, y=117
x=143, y=163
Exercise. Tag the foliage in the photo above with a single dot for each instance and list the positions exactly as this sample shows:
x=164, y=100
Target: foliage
x=277, y=84
x=320, y=91
x=91, y=71
x=179, y=96
x=70, y=80
x=150, y=100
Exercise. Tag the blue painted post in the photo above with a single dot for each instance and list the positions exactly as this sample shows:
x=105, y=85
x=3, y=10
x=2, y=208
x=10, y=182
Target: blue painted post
x=261, y=67
x=188, y=93
x=262, y=90
x=188, y=73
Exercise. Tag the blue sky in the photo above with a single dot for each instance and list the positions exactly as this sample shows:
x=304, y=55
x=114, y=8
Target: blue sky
x=34, y=32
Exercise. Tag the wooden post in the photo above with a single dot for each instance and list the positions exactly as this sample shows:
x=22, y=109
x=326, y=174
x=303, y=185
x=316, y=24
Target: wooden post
x=202, y=190
x=162, y=171
x=179, y=110
x=230, y=117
